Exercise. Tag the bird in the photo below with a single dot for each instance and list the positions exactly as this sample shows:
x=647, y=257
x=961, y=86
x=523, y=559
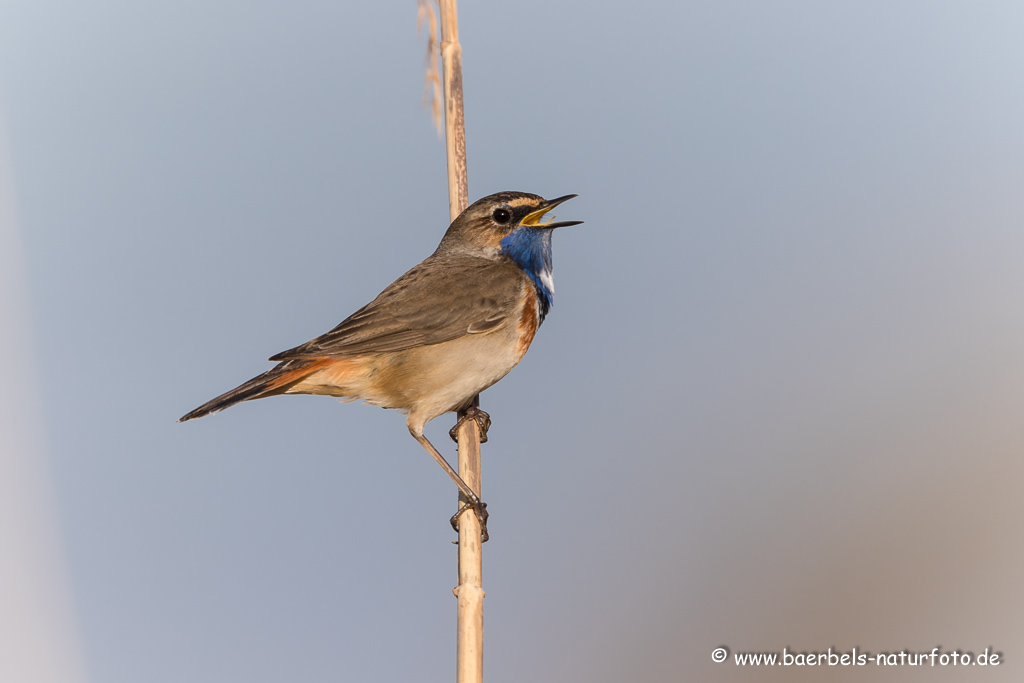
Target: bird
x=440, y=334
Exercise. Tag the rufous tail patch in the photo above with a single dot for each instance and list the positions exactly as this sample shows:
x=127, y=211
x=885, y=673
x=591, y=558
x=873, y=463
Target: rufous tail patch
x=334, y=370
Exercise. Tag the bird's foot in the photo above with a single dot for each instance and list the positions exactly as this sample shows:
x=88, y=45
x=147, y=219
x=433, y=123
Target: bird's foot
x=483, y=421
x=481, y=513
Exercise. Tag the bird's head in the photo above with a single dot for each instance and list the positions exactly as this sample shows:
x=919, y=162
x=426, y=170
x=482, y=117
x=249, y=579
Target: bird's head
x=493, y=225
x=510, y=225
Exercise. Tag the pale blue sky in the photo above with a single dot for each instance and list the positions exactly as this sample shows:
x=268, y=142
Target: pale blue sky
x=777, y=402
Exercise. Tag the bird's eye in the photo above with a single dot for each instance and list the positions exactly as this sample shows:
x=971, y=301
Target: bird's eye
x=501, y=216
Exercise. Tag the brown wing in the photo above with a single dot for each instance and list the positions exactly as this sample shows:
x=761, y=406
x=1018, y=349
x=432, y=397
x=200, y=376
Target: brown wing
x=443, y=298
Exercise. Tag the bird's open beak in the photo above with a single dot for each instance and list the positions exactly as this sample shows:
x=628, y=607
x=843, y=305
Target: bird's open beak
x=532, y=220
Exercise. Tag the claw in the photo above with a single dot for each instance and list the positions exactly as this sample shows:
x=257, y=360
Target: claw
x=481, y=513
x=483, y=421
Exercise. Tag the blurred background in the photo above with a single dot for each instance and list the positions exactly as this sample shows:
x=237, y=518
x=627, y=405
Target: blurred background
x=778, y=401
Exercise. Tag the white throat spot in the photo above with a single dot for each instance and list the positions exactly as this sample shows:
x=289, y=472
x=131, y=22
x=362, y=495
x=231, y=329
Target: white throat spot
x=547, y=279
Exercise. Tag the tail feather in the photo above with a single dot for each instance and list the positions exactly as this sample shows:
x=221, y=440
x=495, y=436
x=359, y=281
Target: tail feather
x=277, y=380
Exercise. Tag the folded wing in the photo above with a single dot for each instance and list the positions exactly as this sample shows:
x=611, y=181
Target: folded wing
x=441, y=299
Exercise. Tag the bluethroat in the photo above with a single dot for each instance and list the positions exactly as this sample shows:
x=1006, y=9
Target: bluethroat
x=439, y=335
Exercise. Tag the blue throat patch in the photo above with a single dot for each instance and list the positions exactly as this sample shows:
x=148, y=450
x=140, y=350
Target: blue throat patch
x=530, y=249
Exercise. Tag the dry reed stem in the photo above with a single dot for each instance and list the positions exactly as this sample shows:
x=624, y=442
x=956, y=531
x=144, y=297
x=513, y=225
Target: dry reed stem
x=469, y=650
x=470, y=592
x=455, y=124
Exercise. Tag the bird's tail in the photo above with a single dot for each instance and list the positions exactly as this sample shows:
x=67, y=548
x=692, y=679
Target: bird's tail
x=277, y=380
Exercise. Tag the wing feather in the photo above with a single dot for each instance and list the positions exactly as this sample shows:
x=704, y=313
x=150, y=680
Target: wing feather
x=442, y=298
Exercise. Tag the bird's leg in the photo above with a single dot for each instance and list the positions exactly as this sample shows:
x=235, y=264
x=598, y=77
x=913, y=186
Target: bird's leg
x=472, y=500
x=483, y=421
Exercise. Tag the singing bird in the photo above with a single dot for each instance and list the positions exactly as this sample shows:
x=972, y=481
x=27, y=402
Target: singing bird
x=439, y=335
